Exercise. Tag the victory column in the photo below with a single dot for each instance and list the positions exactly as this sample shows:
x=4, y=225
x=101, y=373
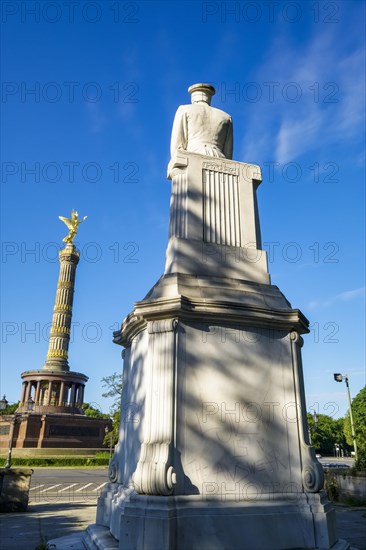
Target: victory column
x=58, y=419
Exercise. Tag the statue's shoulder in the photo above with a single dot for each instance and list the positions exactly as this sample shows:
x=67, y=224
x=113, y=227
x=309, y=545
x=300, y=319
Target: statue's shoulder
x=183, y=108
x=221, y=113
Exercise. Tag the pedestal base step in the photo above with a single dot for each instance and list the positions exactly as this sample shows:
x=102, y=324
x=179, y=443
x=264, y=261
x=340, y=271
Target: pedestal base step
x=187, y=523
x=74, y=542
x=98, y=537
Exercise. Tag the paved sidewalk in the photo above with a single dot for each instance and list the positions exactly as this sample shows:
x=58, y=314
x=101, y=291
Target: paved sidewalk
x=351, y=523
x=46, y=521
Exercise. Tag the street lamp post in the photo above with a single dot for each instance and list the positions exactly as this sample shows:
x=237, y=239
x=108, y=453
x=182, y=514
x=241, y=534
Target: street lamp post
x=17, y=417
x=338, y=377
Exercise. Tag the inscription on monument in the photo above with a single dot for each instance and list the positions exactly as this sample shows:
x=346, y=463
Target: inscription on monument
x=72, y=431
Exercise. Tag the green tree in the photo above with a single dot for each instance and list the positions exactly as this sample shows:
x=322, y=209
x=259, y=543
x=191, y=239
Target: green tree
x=359, y=421
x=10, y=408
x=114, y=385
x=111, y=437
x=89, y=410
x=325, y=433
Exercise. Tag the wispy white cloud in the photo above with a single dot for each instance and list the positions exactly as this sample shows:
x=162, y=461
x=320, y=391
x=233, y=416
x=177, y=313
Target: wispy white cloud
x=346, y=296
x=292, y=133
x=351, y=81
x=351, y=294
x=329, y=87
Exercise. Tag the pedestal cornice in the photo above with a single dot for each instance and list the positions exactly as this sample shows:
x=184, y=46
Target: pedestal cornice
x=229, y=301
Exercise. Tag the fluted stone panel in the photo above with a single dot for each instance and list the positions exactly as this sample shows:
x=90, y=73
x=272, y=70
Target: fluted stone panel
x=178, y=207
x=221, y=214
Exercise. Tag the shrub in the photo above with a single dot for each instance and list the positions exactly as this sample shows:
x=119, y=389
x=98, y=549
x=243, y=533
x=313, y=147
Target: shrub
x=331, y=486
x=361, y=460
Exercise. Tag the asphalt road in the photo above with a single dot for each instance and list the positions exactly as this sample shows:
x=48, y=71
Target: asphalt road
x=84, y=484
x=333, y=460
x=67, y=484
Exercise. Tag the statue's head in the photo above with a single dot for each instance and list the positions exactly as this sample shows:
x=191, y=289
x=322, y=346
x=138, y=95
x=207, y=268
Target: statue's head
x=201, y=93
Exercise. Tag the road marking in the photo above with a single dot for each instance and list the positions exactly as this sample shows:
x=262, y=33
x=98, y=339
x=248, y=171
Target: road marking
x=36, y=487
x=85, y=486
x=68, y=487
x=50, y=488
x=100, y=486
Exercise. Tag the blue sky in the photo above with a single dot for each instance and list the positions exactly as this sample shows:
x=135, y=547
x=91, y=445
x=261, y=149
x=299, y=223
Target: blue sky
x=107, y=78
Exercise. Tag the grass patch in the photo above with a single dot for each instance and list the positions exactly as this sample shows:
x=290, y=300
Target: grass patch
x=58, y=461
x=102, y=454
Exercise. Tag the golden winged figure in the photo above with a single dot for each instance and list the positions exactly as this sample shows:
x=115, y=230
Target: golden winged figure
x=72, y=225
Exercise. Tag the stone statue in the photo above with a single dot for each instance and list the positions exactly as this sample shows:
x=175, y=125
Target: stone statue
x=200, y=128
x=73, y=225
x=181, y=482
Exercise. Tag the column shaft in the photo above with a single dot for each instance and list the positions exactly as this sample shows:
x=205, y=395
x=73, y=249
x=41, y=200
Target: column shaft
x=27, y=391
x=57, y=355
x=49, y=393
x=22, y=398
x=38, y=388
x=73, y=393
x=61, y=397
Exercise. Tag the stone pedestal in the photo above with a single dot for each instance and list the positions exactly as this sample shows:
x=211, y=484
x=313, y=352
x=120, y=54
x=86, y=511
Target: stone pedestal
x=14, y=489
x=212, y=524
x=214, y=224
x=214, y=450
